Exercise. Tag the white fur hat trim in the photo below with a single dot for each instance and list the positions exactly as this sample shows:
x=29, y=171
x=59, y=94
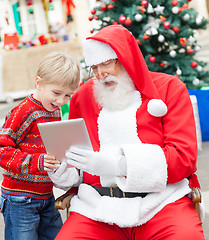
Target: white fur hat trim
x=156, y=107
x=96, y=52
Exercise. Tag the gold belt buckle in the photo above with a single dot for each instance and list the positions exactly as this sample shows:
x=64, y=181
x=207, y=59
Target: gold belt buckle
x=111, y=191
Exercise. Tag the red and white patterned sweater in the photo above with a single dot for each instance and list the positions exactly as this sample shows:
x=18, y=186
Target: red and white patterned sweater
x=22, y=150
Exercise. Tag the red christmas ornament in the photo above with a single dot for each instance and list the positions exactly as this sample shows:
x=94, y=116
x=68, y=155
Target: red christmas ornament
x=128, y=22
x=81, y=83
x=180, y=9
x=190, y=50
x=139, y=42
x=144, y=3
x=166, y=25
x=122, y=19
x=93, y=11
x=189, y=0
x=90, y=18
x=176, y=29
x=141, y=8
x=91, y=31
x=152, y=59
x=162, y=18
x=114, y=0
x=103, y=7
x=185, y=6
x=146, y=37
x=96, y=18
x=162, y=64
x=110, y=6
x=194, y=64
x=115, y=23
x=182, y=41
x=174, y=2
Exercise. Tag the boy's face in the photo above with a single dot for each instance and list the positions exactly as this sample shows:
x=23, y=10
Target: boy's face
x=52, y=96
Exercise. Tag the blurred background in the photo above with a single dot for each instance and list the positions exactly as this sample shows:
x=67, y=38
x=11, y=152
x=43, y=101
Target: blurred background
x=29, y=29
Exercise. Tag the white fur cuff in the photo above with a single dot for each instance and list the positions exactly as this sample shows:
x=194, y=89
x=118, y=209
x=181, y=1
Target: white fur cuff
x=146, y=169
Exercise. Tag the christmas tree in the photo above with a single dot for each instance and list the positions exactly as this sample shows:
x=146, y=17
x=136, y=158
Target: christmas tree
x=165, y=32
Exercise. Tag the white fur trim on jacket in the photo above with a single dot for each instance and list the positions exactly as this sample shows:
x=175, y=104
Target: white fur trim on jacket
x=96, y=52
x=156, y=107
x=146, y=168
x=125, y=212
x=113, y=133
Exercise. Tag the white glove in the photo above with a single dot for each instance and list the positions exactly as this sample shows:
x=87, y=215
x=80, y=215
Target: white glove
x=96, y=163
x=64, y=177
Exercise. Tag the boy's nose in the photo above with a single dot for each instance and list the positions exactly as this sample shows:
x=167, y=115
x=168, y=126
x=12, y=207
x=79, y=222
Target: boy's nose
x=61, y=101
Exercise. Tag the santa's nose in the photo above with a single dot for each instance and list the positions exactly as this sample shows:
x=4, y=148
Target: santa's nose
x=101, y=74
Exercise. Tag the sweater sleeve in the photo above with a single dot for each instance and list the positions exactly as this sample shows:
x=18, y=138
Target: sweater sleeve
x=12, y=156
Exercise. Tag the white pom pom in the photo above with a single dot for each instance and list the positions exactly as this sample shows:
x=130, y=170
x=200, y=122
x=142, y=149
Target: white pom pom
x=156, y=107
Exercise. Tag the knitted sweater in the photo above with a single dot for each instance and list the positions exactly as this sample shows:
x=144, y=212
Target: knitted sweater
x=22, y=150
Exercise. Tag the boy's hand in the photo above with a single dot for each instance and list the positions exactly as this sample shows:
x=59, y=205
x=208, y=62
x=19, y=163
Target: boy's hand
x=50, y=163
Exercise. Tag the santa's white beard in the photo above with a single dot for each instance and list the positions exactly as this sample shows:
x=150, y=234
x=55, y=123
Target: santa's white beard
x=114, y=97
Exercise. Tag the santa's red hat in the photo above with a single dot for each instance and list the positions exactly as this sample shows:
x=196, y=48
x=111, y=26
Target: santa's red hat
x=116, y=41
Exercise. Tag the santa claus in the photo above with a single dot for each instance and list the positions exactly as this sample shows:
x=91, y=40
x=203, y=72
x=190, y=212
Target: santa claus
x=142, y=129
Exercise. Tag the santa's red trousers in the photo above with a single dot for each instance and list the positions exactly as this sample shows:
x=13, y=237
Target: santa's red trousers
x=176, y=221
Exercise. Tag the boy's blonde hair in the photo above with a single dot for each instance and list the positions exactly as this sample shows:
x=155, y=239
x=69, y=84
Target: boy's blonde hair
x=59, y=68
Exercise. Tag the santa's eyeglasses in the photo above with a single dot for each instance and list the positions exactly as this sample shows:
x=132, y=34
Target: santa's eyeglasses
x=103, y=68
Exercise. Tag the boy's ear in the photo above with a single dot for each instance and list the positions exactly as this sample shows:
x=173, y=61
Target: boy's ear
x=38, y=82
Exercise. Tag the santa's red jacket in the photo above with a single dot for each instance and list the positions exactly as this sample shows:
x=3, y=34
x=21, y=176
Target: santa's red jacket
x=161, y=151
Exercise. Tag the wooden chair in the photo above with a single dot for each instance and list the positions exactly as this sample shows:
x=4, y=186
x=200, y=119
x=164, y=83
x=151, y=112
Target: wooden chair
x=195, y=196
x=63, y=202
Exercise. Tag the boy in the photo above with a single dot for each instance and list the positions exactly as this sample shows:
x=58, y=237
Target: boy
x=27, y=200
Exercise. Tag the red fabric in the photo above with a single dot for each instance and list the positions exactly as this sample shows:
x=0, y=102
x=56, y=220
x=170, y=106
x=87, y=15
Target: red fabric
x=73, y=190
x=22, y=150
x=168, y=224
x=193, y=181
x=175, y=132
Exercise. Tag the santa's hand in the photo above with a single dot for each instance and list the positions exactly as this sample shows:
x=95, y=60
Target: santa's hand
x=64, y=177
x=96, y=163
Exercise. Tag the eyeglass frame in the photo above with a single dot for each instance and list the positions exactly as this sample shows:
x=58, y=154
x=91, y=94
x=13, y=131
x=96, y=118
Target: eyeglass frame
x=90, y=76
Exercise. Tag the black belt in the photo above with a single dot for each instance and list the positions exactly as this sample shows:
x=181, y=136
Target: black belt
x=115, y=191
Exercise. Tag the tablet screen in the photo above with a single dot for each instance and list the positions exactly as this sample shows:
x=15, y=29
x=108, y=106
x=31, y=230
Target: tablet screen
x=59, y=136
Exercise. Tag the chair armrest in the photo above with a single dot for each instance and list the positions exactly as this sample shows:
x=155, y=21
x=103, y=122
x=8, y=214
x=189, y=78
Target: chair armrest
x=196, y=195
x=63, y=201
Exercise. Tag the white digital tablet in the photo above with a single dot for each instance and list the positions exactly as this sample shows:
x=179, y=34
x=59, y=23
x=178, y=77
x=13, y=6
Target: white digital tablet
x=58, y=136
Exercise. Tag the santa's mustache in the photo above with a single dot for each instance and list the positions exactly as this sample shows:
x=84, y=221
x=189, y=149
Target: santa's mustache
x=109, y=78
